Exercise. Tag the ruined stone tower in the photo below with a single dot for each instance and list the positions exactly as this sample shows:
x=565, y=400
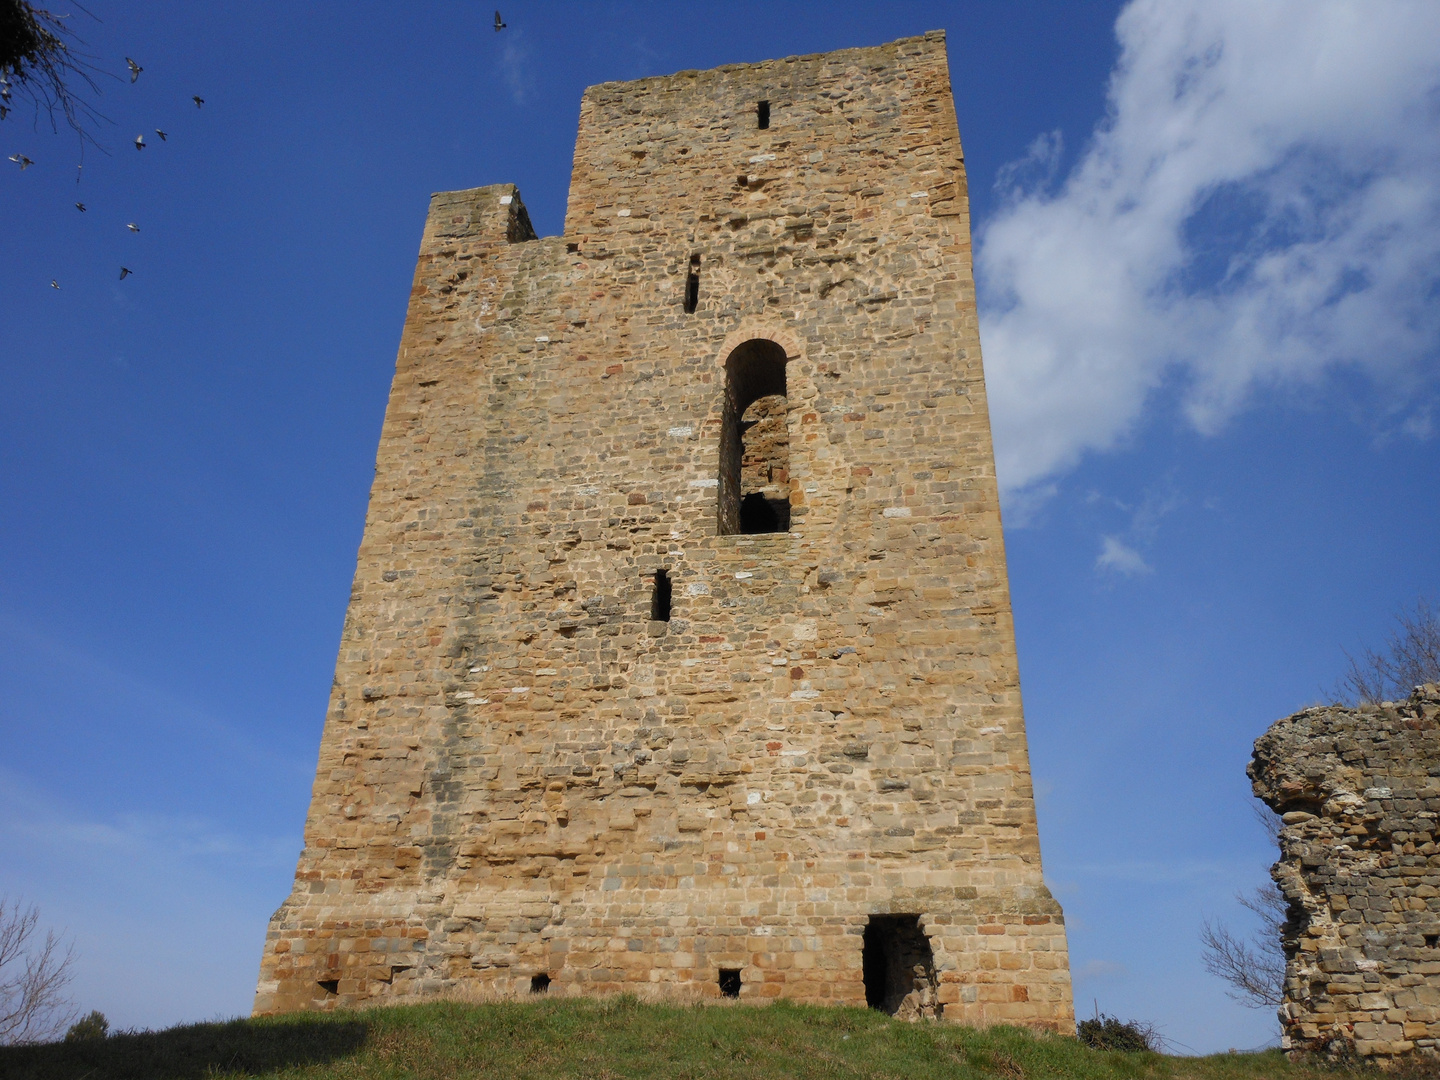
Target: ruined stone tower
x=679, y=655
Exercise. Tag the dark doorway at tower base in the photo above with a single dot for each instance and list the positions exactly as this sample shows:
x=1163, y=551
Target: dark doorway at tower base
x=894, y=946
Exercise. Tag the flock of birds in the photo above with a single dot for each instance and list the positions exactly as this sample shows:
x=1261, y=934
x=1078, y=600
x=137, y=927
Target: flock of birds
x=25, y=162
x=140, y=144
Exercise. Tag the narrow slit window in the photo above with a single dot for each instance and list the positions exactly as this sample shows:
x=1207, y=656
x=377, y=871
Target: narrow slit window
x=660, y=598
x=692, y=286
x=730, y=982
x=762, y=115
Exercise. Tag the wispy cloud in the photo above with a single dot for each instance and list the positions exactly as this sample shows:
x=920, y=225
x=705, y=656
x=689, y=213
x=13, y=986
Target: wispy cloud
x=27, y=816
x=1260, y=209
x=1099, y=969
x=514, y=66
x=1118, y=557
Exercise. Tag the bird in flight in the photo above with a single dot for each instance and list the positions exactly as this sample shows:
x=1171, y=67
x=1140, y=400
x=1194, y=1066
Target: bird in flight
x=54, y=284
x=21, y=160
x=163, y=136
x=133, y=227
x=198, y=100
x=80, y=206
x=125, y=272
x=139, y=142
x=499, y=23
x=135, y=69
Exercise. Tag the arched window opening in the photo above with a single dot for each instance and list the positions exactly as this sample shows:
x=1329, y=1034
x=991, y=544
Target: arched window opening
x=754, y=485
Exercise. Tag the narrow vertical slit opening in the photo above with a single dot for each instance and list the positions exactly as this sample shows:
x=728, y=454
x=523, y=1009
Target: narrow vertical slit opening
x=762, y=115
x=692, y=286
x=660, y=597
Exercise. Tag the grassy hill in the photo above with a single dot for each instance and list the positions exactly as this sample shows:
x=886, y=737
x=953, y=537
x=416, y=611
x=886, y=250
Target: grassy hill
x=610, y=1039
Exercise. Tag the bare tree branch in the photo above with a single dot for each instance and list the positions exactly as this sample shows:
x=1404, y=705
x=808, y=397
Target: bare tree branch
x=1255, y=969
x=1411, y=656
x=38, y=64
x=33, y=977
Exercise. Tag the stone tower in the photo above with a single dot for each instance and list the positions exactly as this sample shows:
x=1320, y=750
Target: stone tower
x=679, y=656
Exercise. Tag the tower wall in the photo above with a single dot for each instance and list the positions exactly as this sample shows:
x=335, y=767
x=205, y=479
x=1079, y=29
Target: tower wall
x=521, y=773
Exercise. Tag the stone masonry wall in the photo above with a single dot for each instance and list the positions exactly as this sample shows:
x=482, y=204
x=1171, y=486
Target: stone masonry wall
x=1359, y=791
x=521, y=775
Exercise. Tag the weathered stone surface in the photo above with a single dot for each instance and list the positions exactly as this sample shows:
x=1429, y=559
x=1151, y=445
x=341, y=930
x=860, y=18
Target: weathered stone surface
x=528, y=772
x=1359, y=795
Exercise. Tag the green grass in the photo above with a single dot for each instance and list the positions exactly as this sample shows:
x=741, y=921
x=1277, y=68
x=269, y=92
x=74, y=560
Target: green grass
x=609, y=1039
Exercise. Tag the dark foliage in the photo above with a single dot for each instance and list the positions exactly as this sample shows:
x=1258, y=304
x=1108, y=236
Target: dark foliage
x=37, y=64
x=93, y=1026
x=1109, y=1033
x=236, y=1048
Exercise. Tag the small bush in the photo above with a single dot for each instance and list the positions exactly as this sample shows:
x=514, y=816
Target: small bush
x=1108, y=1033
x=94, y=1026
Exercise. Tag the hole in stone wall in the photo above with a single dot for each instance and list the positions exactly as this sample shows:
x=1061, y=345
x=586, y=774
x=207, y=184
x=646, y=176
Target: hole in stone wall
x=692, y=285
x=539, y=984
x=330, y=986
x=660, y=597
x=730, y=982
x=1432, y=940
x=762, y=115
x=754, y=482
x=895, y=947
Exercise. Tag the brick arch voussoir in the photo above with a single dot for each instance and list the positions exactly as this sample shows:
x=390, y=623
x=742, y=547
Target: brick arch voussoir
x=751, y=329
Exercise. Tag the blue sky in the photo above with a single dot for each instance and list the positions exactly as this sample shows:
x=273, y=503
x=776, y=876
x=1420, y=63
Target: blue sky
x=1208, y=241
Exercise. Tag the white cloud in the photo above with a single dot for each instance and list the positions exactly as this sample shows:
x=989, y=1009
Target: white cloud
x=1121, y=558
x=1260, y=208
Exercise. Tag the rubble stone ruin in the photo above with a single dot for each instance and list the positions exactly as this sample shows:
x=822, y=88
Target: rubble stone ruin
x=679, y=658
x=1359, y=791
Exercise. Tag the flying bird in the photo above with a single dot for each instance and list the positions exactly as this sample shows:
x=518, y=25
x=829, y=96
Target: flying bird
x=139, y=142
x=133, y=227
x=125, y=272
x=21, y=160
x=135, y=69
x=54, y=284
x=80, y=206
x=198, y=100
x=163, y=136
x=499, y=23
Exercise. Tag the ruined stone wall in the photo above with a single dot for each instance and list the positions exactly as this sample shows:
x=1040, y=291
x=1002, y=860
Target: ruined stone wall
x=1359, y=791
x=523, y=776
